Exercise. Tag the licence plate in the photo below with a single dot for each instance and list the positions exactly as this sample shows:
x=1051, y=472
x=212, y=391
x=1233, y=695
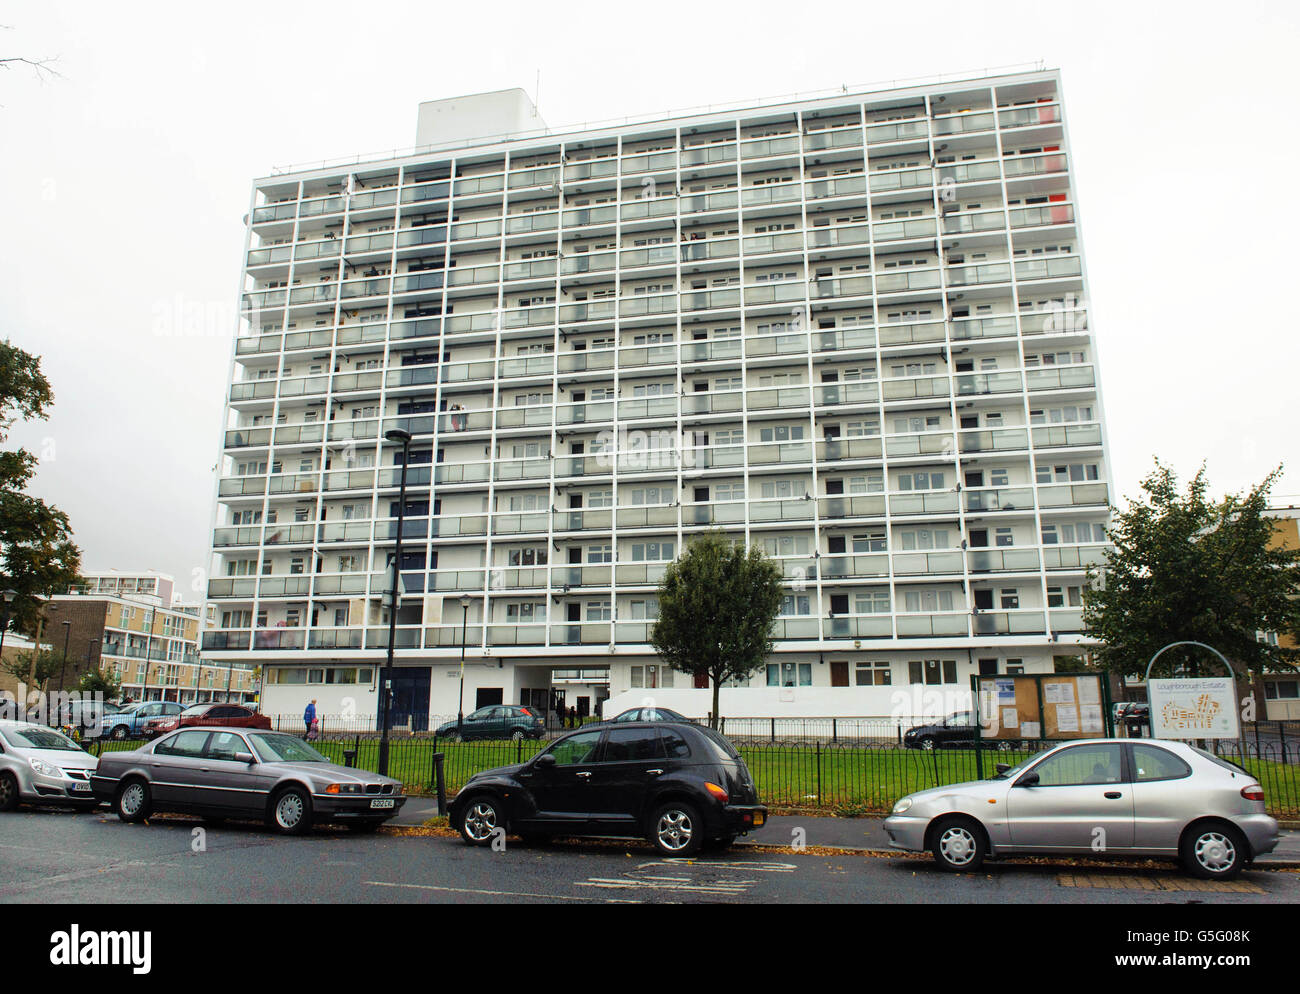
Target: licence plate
x=81, y=788
x=758, y=818
x=381, y=802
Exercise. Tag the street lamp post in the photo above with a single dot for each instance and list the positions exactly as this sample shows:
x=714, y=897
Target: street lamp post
x=403, y=438
x=460, y=707
x=8, y=597
x=67, y=630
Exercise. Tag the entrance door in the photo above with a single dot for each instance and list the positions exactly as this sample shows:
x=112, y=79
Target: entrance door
x=410, y=701
x=487, y=695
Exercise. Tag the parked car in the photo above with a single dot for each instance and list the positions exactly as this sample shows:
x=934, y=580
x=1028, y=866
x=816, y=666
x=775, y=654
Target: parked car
x=41, y=765
x=496, y=721
x=960, y=729
x=650, y=714
x=86, y=715
x=679, y=786
x=243, y=773
x=130, y=721
x=198, y=715
x=1118, y=796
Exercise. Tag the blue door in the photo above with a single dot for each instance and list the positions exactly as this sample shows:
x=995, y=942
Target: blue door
x=410, y=698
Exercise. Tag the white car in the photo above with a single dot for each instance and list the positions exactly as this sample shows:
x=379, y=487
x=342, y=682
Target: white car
x=40, y=765
x=1099, y=796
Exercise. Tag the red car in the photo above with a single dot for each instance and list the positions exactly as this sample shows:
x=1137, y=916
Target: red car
x=223, y=715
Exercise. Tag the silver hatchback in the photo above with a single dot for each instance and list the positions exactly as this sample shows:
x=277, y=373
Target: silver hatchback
x=1100, y=796
x=40, y=765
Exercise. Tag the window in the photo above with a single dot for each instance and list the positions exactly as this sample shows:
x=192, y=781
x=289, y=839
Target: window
x=600, y=554
x=781, y=433
x=1081, y=765
x=1003, y=537
x=794, y=605
x=925, y=538
x=651, y=677
x=598, y=611
x=652, y=552
x=927, y=600
x=789, y=674
x=921, y=481
x=577, y=749
x=644, y=610
x=932, y=671
x=871, y=602
x=1154, y=763
x=1010, y=599
x=632, y=745
x=872, y=483
x=872, y=674
x=872, y=541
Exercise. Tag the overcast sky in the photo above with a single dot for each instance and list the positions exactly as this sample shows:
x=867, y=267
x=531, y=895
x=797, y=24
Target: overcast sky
x=123, y=184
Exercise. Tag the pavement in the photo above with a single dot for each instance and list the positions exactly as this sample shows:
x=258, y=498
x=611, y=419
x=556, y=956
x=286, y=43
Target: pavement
x=866, y=834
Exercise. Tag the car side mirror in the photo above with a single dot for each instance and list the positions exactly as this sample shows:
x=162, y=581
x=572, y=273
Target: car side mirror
x=245, y=757
x=1028, y=780
x=545, y=762
x=1002, y=767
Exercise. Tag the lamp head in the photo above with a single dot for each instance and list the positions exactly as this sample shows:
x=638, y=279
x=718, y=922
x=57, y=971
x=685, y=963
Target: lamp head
x=398, y=436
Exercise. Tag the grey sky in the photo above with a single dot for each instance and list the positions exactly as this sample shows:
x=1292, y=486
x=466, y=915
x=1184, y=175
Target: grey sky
x=123, y=185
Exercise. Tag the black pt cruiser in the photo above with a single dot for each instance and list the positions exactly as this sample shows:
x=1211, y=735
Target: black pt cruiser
x=682, y=787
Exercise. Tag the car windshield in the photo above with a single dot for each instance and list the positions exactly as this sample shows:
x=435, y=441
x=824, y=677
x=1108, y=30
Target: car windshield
x=39, y=738
x=196, y=709
x=274, y=747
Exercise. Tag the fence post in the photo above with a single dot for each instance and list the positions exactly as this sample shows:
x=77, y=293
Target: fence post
x=773, y=720
x=834, y=730
x=438, y=781
x=1281, y=738
x=519, y=751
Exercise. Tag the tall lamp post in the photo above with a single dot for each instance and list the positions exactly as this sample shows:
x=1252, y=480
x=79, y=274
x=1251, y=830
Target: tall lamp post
x=460, y=708
x=67, y=630
x=403, y=438
x=8, y=597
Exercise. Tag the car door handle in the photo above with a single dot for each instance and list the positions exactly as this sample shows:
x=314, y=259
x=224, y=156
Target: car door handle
x=654, y=773
x=1113, y=794
x=584, y=774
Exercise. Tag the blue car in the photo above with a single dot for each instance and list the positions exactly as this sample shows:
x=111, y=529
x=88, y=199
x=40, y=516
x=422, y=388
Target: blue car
x=129, y=722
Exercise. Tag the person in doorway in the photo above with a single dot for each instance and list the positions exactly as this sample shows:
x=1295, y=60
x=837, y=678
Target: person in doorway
x=308, y=717
x=573, y=717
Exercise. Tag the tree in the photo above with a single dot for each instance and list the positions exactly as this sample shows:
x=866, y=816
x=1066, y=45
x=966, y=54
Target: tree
x=98, y=682
x=37, y=555
x=1187, y=568
x=717, y=603
x=45, y=665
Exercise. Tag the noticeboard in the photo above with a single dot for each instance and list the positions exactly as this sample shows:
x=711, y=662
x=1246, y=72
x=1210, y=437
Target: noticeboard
x=1042, y=706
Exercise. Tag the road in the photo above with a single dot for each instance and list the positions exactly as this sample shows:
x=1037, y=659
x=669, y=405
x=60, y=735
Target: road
x=61, y=857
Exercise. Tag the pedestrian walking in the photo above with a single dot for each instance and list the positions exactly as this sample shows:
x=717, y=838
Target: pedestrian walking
x=308, y=717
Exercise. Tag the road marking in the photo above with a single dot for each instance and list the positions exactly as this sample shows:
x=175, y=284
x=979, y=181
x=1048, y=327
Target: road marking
x=1131, y=881
x=491, y=893
x=638, y=878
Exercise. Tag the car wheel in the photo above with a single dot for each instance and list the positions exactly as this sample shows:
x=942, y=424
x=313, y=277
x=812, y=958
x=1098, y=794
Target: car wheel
x=119, y=732
x=958, y=845
x=481, y=820
x=517, y=735
x=8, y=792
x=1213, y=851
x=134, y=802
x=676, y=829
x=455, y=737
x=1004, y=745
x=291, y=811
x=928, y=743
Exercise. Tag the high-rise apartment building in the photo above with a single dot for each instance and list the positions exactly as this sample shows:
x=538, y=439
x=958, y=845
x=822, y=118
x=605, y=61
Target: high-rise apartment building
x=850, y=330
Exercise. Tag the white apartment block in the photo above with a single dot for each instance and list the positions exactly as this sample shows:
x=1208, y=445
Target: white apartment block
x=850, y=330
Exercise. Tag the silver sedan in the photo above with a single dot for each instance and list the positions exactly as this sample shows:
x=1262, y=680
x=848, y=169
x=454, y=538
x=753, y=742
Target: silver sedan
x=221, y=773
x=40, y=765
x=1100, y=796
